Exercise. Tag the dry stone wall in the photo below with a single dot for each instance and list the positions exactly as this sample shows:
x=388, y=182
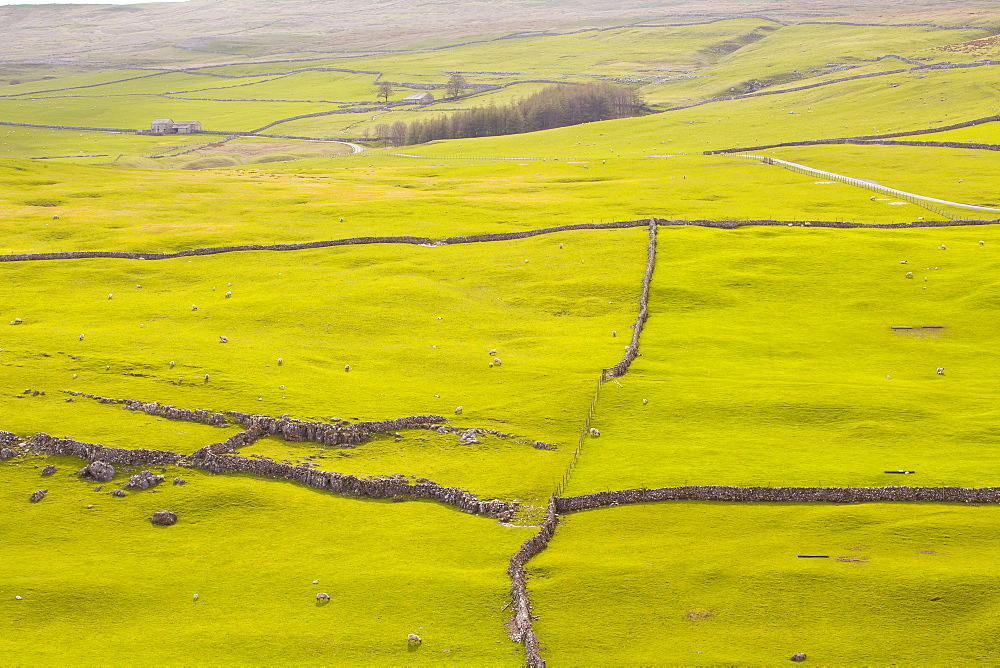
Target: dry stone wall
x=200, y=415
x=339, y=483
x=504, y=236
x=92, y=452
x=521, y=625
x=568, y=504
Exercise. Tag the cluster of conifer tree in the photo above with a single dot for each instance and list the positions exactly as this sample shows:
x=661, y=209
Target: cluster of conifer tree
x=551, y=107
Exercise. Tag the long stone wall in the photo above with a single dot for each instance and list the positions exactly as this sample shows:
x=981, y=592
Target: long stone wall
x=476, y=238
x=632, y=351
x=339, y=483
x=568, y=504
x=95, y=451
x=521, y=624
x=201, y=415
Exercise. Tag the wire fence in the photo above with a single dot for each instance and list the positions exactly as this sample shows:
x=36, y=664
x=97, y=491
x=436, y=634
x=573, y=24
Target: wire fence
x=932, y=204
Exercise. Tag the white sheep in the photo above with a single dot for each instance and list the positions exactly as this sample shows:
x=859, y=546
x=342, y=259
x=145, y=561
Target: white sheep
x=223, y=339
x=110, y=296
x=902, y=261
x=16, y=321
x=280, y=361
x=909, y=274
x=322, y=597
x=594, y=433
x=940, y=371
x=347, y=367
x=981, y=243
x=496, y=361
x=81, y=337
x=138, y=287
x=196, y=597
x=614, y=332
x=410, y=637
x=493, y=352
x=560, y=245
x=206, y=377
x=228, y=295
x=645, y=401
x=194, y=307
x=171, y=364
x=458, y=411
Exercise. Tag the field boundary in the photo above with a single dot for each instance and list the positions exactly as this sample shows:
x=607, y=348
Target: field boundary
x=920, y=200
x=570, y=504
x=480, y=238
x=396, y=488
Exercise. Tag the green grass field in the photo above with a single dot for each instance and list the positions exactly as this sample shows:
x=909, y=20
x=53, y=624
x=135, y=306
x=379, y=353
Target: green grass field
x=768, y=357
x=251, y=549
x=701, y=584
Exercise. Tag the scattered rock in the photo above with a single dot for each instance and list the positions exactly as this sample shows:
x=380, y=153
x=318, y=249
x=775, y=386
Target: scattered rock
x=539, y=445
x=118, y=493
x=468, y=437
x=143, y=480
x=38, y=496
x=164, y=518
x=98, y=471
x=99, y=488
x=798, y=657
x=180, y=481
x=49, y=470
x=7, y=453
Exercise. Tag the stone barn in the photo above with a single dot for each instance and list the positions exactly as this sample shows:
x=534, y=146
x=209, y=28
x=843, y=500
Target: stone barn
x=166, y=126
x=419, y=98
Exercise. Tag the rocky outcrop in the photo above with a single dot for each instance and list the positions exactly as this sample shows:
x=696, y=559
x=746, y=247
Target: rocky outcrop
x=143, y=480
x=7, y=453
x=98, y=471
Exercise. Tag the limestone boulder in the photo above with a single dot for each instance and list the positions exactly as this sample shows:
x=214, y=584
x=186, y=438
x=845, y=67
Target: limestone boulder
x=144, y=480
x=98, y=471
x=164, y=518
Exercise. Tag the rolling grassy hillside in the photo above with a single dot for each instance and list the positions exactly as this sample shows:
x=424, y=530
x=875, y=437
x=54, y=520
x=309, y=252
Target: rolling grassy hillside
x=768, y=357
